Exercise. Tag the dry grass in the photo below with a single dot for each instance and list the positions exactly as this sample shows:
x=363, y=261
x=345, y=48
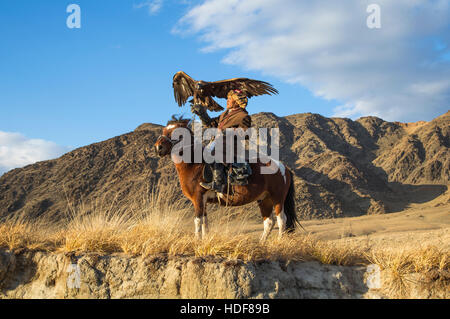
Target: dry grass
x=162, y=225
x=20, y=232
x=429, y=265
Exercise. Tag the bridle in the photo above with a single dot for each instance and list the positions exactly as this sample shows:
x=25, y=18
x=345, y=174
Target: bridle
x=173, y=142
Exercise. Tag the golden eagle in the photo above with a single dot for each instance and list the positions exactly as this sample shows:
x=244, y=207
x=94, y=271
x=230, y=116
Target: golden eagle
x=202, y=92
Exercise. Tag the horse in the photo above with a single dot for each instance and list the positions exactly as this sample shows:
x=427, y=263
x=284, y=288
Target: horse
x=273, y=192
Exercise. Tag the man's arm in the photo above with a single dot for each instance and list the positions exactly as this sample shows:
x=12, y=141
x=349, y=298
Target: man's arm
x=246, y=122
x=245, y=125
x=214, y=122
x=203, y=115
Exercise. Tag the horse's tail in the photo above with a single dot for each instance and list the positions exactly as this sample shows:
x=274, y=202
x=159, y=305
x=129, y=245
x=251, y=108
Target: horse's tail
x=289, y=208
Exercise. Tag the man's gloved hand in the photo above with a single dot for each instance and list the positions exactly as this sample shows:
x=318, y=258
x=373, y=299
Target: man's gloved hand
x=199, y=110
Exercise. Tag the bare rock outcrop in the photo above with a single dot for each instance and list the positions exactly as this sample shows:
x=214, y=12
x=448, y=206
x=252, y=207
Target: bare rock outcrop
x=44, y=275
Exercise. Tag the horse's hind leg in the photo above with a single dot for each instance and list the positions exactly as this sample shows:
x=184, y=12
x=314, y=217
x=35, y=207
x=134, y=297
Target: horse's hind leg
x=266, y=208
x=281, y=219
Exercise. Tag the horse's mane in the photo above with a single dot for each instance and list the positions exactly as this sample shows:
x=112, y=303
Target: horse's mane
x=178, y=120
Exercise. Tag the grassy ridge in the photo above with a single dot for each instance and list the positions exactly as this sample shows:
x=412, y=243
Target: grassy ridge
x=162, y=225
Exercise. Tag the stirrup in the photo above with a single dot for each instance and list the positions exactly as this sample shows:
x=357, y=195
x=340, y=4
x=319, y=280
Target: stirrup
x=211, y=186
x=207, y=186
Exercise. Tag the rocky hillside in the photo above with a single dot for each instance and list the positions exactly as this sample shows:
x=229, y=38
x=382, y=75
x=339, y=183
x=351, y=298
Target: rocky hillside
x=343, y=168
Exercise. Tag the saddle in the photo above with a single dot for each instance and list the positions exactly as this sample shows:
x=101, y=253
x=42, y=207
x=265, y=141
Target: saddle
x=237, y=173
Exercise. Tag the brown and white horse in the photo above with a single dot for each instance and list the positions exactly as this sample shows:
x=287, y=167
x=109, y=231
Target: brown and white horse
x=273, y=192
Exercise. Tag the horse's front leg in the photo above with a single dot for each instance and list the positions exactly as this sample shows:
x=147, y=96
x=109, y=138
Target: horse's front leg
x=200, y=219
x=201, y=226
x=204, y=226
x=198, y=226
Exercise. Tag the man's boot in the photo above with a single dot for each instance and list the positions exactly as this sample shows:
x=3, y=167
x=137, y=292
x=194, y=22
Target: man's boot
x=218, y=182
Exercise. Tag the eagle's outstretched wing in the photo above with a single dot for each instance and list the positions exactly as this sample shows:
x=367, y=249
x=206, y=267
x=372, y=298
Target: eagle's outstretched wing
x=183, y=87
x=250, y=87
x=203, y=92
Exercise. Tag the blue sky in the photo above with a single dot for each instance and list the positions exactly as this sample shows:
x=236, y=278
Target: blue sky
x=63, y=88
x=78, y=86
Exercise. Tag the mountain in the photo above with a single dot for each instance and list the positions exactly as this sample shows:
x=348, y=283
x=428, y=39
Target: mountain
x=342, y=168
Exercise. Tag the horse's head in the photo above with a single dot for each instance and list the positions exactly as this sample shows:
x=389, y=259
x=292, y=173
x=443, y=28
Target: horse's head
x=164, y=143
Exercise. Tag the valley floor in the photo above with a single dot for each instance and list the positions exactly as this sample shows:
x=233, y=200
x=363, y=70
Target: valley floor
x=418, y=225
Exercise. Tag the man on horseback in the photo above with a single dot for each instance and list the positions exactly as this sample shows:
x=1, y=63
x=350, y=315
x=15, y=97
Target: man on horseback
x=235, y=116
x=237, y=91
x=274, y=192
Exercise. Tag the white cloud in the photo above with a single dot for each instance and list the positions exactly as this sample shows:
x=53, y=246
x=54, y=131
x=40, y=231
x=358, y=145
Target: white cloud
x=153, y=6
x=17, y=151
x=396, y=72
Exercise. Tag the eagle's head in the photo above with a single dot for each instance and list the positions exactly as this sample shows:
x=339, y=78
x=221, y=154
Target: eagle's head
x=200, y=85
